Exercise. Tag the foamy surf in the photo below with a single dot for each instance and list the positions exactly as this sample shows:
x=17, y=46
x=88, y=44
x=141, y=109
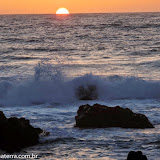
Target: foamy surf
x=49, y=85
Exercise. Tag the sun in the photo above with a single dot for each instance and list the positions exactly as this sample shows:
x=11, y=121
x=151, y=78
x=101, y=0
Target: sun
x=62, y=11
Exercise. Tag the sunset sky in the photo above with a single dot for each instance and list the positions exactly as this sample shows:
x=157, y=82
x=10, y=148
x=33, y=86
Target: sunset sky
x=77, y=6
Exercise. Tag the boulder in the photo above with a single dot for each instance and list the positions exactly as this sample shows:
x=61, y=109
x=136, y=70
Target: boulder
x=17, y=133
x=101, y=116
x=136, y=156
x=88, y=92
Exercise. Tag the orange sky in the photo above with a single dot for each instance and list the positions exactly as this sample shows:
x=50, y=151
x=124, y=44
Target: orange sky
x=77, y=6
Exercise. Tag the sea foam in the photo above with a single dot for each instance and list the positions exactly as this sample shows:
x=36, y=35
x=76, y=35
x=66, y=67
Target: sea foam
x=49, y=85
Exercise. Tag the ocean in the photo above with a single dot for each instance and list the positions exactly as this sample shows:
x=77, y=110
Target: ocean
x=45, y=58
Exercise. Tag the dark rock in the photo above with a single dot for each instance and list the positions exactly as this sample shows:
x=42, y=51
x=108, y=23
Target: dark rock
x=3, y=119
x=136, y=156
x=88, y=92
x=17, y=133
x=100, y=116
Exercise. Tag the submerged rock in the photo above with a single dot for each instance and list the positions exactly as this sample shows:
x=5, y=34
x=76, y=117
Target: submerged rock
x=17, y=133
x=136, y=156
x=88, y=92
x=100, y=116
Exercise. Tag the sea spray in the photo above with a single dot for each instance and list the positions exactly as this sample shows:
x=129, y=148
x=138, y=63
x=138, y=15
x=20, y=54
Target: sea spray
x=49, y=85
x=46, y=71
x=46, y=86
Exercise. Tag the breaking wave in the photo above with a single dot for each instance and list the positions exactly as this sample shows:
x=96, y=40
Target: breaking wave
x=49, y=85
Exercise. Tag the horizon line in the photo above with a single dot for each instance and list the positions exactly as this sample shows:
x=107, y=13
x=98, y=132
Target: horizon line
x=80, y=13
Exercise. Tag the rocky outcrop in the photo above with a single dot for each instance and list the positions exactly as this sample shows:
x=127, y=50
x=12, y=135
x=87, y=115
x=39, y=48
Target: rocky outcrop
x=100, y=116
x=17, y=133
x=88, y=92
x=136, y=156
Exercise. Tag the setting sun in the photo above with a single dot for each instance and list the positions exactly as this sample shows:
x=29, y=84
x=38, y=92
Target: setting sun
x=62, y=11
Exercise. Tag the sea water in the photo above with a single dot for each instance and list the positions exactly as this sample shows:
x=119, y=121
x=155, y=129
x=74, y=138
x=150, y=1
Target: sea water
x=45, y=58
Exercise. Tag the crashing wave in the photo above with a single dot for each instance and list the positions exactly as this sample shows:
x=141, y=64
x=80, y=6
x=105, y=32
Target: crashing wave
x=49, y=85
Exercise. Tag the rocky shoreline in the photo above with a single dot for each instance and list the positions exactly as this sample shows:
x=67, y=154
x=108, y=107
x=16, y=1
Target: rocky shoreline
x=17, y=133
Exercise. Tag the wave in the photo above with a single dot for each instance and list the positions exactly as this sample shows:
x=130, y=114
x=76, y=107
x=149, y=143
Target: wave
x=49, y=85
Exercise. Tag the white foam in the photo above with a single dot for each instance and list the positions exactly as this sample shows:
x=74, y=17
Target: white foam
x=49, y=86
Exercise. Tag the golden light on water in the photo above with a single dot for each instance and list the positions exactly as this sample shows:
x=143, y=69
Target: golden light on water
x=62, y=11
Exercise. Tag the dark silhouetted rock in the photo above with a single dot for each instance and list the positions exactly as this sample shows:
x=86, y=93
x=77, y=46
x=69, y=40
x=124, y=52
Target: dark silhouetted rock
x=17, y=133
x=88, y=92
x=3, y=119
x=136, y=156
x=100, y=116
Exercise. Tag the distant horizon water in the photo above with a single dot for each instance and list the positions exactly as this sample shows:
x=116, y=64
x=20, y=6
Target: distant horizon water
x=81, y=13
